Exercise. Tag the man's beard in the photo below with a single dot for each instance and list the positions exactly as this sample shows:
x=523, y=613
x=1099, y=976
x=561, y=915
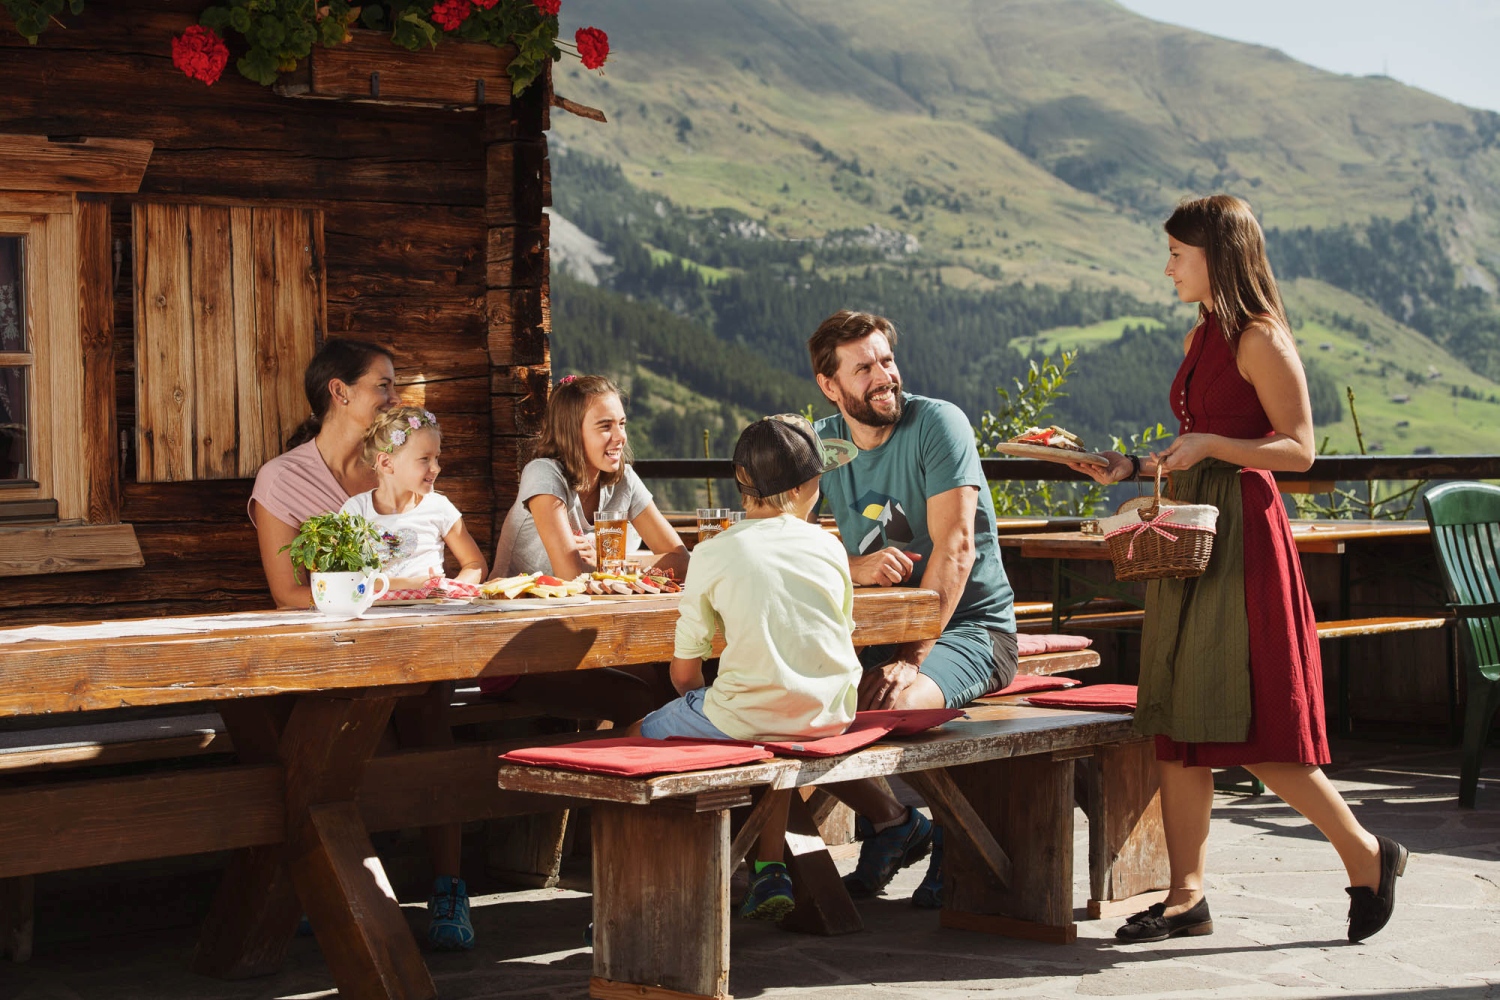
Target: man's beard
x=860, y=410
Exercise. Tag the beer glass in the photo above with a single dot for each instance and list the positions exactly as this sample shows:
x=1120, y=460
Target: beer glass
x=712, y=520
x=609, y=539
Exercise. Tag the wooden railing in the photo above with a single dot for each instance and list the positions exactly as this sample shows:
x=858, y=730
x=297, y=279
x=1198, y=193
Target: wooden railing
x=1325, y=470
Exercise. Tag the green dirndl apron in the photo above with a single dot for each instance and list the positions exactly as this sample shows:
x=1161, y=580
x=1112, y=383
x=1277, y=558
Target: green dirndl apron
x=1195, y=643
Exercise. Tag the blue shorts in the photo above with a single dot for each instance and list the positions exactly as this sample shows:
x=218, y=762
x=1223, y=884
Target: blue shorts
x=968, y=661
x=683, y=717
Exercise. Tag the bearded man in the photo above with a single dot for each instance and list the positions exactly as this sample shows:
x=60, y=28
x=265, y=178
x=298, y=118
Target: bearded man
x=913, y=509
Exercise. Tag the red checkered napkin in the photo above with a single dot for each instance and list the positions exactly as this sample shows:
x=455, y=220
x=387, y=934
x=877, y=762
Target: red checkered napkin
x=434, y=590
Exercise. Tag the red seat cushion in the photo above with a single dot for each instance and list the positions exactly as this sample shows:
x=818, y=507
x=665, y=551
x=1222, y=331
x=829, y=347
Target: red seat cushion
x=828, y=746
x=637, y=756
x=1034, y=682
x=1095, y=696
x=867, y=728
x=905, y=721
x=1028, y=644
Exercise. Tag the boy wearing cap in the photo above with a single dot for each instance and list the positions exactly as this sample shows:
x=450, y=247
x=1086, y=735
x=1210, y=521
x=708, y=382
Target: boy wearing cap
x=780, y=587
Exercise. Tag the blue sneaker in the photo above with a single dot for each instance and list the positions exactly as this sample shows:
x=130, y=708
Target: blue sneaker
x=448, y=927
x=885, y=853
x=770, y=896
x=929, y=895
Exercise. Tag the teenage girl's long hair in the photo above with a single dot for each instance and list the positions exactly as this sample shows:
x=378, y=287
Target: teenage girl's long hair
x=345, y=360
x=562, y=432
x=1244, y=289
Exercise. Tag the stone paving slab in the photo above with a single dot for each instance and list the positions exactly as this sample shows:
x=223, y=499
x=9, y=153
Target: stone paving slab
x=1275, y=887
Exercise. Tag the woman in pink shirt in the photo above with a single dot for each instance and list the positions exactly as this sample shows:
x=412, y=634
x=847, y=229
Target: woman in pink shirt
x=347, y=384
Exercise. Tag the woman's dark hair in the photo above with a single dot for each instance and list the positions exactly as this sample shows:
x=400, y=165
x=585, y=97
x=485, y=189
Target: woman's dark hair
x=1244, y=289
x=345, y=360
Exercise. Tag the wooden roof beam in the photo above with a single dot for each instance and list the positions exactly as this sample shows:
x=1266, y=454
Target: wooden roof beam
x=72, y=163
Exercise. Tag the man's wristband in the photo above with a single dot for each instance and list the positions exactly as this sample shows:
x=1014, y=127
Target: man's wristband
x=1135, y=466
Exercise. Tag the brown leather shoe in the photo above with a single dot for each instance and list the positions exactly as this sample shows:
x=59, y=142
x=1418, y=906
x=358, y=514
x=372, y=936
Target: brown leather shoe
x=1370, y=909
x=1151, y=924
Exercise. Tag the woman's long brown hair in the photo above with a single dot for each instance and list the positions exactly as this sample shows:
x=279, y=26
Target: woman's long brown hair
x=562, y=432
x=1226, y=230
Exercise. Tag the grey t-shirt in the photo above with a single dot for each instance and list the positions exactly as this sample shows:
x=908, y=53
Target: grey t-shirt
x=541, y=476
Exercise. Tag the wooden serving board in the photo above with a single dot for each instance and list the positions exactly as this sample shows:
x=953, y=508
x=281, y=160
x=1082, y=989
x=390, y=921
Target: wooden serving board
x=1047, y=453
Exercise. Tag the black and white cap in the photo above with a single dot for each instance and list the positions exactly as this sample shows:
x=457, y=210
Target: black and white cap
x=782, y=452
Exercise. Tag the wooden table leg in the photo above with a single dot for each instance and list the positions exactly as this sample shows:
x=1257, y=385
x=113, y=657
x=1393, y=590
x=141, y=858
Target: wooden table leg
x=254, y=914
x=823, y=904
x=17, y=917
x=1027, y=804
x=1128, y=866
x=661, y=902
x=328, y=859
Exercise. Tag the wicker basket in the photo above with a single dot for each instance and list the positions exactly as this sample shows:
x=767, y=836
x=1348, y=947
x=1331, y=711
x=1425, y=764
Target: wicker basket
x=1151, y=538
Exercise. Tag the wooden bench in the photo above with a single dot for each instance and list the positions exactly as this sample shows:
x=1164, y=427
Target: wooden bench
x=1001, y=781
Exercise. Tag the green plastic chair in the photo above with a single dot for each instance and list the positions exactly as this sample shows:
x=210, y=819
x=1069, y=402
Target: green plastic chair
x=1465, y=523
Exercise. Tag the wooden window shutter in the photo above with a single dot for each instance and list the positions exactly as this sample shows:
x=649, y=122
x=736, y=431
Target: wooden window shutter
x=229, y=308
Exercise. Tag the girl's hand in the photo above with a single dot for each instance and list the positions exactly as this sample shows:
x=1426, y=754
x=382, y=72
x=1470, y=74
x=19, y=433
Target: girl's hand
x=1187, y=451
x=585, y=544
x=1119, y=468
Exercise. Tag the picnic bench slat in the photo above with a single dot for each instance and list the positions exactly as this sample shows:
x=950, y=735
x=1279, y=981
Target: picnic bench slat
x=1356, y=627
x=990, y=732
x=44, y=676
x=99, y=822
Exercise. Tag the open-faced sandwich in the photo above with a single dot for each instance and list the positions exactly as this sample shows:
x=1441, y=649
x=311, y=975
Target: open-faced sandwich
x=530, y=585
x=1050, y=437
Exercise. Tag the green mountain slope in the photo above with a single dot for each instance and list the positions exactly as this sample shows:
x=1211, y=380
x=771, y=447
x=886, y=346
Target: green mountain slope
x=1046, y=137
x=1409, y=393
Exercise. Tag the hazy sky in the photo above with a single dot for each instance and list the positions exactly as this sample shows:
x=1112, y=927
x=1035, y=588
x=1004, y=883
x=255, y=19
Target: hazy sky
x=1448, y=47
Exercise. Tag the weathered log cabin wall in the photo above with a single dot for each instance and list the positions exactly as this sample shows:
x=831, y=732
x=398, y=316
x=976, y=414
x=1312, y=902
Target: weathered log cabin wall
x=435, y=243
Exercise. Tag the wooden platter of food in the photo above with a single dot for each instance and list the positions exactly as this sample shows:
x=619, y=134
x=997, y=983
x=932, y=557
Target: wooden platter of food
x=1050, y=444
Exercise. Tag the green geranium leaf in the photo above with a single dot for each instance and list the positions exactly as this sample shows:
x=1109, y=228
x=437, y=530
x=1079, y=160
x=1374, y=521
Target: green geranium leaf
x=259, y=65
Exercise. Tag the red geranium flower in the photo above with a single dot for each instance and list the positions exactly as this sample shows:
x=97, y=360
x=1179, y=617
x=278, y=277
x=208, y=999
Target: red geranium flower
x=449, y=14
x=487, y=4
x=200, y=54
x=593, y=47
x=548, y=7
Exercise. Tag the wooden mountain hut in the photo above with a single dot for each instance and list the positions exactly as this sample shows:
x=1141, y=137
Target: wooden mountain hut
x=171, y=254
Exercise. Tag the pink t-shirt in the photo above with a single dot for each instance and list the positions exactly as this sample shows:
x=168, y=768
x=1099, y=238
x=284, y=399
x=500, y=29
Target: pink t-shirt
x=296, y=485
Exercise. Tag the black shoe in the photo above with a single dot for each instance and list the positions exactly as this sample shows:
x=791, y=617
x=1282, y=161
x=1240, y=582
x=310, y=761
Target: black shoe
x=1151, y=925
x=1369, y=910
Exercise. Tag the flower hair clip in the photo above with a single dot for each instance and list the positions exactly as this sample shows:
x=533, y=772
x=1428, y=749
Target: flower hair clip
x=413, y=422
x=565, y=380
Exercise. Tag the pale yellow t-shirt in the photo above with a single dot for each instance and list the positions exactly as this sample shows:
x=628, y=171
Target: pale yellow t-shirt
x=780, y=589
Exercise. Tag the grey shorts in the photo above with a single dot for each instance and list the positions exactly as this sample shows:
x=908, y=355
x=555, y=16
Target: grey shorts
x=968, y=661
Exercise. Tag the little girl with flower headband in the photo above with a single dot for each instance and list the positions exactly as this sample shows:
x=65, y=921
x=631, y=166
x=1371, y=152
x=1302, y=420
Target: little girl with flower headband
x=414, y=521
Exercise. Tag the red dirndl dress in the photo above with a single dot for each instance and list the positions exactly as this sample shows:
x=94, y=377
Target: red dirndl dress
x=1210, y=396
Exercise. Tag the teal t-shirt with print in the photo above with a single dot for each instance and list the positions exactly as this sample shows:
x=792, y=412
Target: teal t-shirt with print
x=880, y=499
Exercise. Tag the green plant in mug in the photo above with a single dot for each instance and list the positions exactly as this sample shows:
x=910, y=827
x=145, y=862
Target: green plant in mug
x=335, y=543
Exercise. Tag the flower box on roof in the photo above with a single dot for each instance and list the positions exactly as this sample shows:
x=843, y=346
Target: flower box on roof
x=369, y=69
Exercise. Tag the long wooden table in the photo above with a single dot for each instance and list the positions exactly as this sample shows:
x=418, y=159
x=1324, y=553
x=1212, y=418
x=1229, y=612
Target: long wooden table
x=1310, y=537
x=306, y=706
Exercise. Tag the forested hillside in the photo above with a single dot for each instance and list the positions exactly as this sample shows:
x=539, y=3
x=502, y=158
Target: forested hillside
x=988, y=173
